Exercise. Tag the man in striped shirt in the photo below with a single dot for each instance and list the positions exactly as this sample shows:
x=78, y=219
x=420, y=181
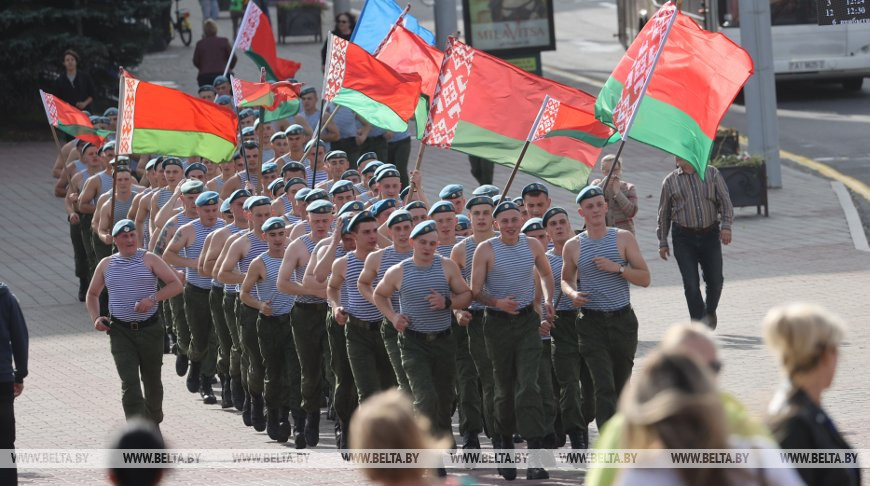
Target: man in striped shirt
x=700, y=213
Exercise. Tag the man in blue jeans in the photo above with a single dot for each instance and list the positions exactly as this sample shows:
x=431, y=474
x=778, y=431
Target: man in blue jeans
x=700, y=213
x=13, y=344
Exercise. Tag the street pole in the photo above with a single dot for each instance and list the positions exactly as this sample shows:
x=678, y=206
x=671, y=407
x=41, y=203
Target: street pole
x=760, y=90
x=340, y=6
x=446, y=23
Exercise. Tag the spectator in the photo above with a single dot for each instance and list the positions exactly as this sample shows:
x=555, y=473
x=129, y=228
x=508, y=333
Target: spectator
x=665, y=406
x=211, y=54
x=237, y=10
x=74, y=86
x=136, y=434
x=621, y=196
x=481, y=169
x=13, y=345
x=344, y=25
x=398, y=151
x=387, y=421
x=806, y=339
x=210, y=9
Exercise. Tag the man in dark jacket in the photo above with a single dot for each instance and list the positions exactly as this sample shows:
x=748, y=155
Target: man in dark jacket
x=13, y=344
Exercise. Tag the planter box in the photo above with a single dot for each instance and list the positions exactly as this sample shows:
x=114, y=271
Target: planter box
x=299, y=21
x=747, y=185
x=727, y=142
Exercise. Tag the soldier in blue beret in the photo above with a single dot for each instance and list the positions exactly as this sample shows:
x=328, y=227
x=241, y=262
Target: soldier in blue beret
x=196, y=171
x=286, y=204
x=224, y=100
x=269, y=172
x=454, y=194
x=536, y=198
x=486, y=190
x=463, y=226
x=131, y=277
x=276, y=188
x=250, y=179
x=222, y=86
x=206, y=92
x=280, y=144
x=342, y=192
x=295, y=141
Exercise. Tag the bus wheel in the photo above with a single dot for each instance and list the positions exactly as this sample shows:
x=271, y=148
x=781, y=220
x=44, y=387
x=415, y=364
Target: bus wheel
x=853, y=84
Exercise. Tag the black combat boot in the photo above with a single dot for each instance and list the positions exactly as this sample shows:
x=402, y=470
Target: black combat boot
x=536, y=460
x=299, y=430
x=284, y=427
x=272, y=423
x=237, y=392
x=312, y=429
x=180, y=363
x=258, y=418
x=226, y=396
x=205, y=391
x=246, y=411
x=193, y=378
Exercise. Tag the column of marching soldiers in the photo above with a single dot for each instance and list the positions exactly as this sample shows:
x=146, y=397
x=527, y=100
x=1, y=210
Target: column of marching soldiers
x=299, y=299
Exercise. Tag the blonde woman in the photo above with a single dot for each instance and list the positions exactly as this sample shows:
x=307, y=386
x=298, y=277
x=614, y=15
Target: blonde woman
x=674, y=404
x=620, y=195
x=805, y=339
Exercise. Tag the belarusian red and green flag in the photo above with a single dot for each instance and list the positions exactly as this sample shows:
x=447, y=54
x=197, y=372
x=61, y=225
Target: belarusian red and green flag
x=698, y=75
x=70, y=120
x=279, y=100
x=558, y=119
x=155, y=119
x=356, y=80
x=255, y=38
x=408, y=53
x=485, y=106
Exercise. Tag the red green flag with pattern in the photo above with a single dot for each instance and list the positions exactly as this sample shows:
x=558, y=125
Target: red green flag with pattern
x=255, y=38
x=155, y=119
x=559, y=119
x=279, y=100
x=70, y=120
x=485, y=106
x=698, y=75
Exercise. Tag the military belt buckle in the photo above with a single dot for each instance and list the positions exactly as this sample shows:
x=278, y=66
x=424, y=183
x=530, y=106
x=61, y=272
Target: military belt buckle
x=432, y=336
x=134, y=326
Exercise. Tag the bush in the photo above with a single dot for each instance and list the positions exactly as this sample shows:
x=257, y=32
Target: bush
x=739, y=160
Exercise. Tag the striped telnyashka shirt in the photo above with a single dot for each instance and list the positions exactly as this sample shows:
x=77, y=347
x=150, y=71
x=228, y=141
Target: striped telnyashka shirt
x=267, y=289
x=692, y=203
x=356, y=305
x=608, y=291
x=123, y=207
x=389, y=258
x=163, y=197
x=243, y=178
x=128, y=281
x=445, y=250
x=513, y=271
x=470, y=246
x=299, y=274
x=194, y=249
x=230, y=288
x=417, y=284
x=219, y=182
x=564, y=302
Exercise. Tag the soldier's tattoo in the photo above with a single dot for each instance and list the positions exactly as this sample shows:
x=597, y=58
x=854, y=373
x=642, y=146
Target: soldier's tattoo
x=161, y=240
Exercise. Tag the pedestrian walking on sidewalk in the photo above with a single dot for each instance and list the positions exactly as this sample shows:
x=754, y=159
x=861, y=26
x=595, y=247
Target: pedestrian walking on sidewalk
x=211, y=54
x=700, y=214
x=14, y=342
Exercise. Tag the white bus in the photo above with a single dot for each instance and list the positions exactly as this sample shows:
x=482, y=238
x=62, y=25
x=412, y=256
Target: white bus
x=802, y=49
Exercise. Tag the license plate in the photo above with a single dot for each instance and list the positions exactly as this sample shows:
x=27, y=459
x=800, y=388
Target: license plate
x=806, y=65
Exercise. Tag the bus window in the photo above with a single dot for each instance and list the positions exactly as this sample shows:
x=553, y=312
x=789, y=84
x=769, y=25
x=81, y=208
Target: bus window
x=782, y=12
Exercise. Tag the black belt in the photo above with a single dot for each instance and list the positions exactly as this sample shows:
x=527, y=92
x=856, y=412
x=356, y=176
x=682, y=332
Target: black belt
x=134, y=325
x=428, y=336
x=568, y=312
x=697, y=231
x=310, y=305
x=197, y=289
x=477, y=312
x=217, y=288
x=607, y=314
x=370, y=325
x=520, y=312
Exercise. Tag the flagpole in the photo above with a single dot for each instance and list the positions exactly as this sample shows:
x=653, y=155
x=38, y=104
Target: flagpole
x=121, y=77
x=417, y=167
x=514, y=171
x=260, y=142
x=236, y=41
x=316, y=145
x=613, y=165
x=319, y=129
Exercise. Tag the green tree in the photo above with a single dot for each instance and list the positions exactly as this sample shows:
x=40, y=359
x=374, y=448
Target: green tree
x=106, y=34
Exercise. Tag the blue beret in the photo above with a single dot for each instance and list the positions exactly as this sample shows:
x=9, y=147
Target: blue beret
x=359, y=218
x=372, y=182
x=442, y=207
x=246, y=112
x=350, y=173
x=310, y=143
x=398, y=216
x=123, y=168
x=192, y=187
x=294, y=129
x=123, y=226
x=372, y=167
x=462, y=222
x=278, y=134
x=219, y=80
x=384, y=166
x=336, y=154
x=237, y=154
x=300, y=195
x=110, y=111
x=381, y=175
x=535, y=187
x=255, y=201
x=533, y=224
x=224, y=100
x=416, y=205
x=247, y=131
x=474, y=201
x=589, y=192
x=551, y=213
x=269, y=167
x=351, y=207
x=152, y=164
x=225, y=206
x=94, y=119
x=238, y=193
x=382, y=205
x=292, y=165
x=108, y=145
x=276, y=185
x=451, y=191
x=366, y=156
x=504, y=206
x=273, y=223
x=172, y=161
x=307, y=90
x=195, y=166
x=205, y=87
x=519, y=202
x=423, y=227
x=315, y=194
x=486, y=190
x=293, y=181
x=404, y=192
x=321, y=206
x=120, y=160
x=341, y=186
x=208, y=198
x=496, y=199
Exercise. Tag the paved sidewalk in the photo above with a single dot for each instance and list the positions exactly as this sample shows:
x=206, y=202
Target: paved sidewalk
x=72, y=396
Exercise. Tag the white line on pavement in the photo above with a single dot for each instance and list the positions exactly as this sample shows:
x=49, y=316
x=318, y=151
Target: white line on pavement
x=859, y=238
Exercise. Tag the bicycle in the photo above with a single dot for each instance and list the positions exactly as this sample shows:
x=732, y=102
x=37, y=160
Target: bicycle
x=181, y=24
